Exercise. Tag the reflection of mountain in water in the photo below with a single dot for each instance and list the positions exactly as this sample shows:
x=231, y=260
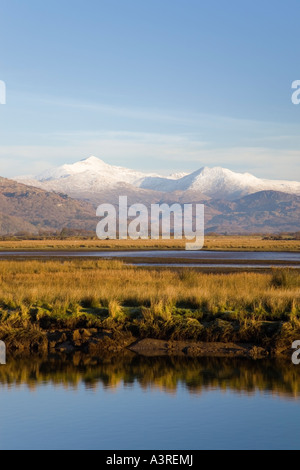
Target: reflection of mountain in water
x=280, y=378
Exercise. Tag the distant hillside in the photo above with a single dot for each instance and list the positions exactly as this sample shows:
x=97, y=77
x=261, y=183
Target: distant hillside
x=29, y=209
x=12, y=225
x=24, y=208
x=265, y=211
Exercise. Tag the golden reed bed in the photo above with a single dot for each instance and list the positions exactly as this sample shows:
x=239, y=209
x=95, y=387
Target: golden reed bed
x=40, y=296
x=242, y=243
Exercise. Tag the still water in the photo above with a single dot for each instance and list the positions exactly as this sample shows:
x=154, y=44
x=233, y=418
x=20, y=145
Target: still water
x=177, y=259
x=133, y=402
x=219, y=256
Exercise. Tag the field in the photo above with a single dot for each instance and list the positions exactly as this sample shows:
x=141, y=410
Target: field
x=240, y=243
x=38, y=297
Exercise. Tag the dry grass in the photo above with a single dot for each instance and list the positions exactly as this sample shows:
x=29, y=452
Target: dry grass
x=241, y=243
x=96, y=284
x=178, y=304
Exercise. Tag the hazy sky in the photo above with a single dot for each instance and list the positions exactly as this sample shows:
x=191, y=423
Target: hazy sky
x=150, y=84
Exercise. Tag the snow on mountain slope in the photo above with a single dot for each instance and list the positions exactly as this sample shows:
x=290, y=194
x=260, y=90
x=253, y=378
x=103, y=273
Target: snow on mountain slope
x=92, y=175
x=220, y=183
x=94, y=168
x=177, y=176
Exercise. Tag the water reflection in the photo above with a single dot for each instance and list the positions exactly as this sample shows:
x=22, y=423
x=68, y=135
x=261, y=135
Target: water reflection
x=196, y=375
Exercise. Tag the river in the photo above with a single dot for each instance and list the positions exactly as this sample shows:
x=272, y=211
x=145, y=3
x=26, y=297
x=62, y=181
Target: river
x=191, y=259
x=130, y=402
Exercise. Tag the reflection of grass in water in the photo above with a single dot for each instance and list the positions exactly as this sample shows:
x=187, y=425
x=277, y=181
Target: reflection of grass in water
x=166, y=373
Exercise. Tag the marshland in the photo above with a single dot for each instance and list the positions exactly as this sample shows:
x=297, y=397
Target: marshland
x=286, y=242
x=107, y=354
x=116, y=305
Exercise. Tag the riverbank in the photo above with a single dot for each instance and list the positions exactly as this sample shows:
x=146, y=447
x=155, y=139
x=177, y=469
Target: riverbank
x=212, y=242
x=192, y=338
x=98, y=343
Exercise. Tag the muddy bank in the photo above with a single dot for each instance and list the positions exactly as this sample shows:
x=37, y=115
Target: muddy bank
x=154, y=347
x=98, y=342
x=87, y=340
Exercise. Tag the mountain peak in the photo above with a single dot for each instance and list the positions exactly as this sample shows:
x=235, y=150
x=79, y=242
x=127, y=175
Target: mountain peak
x=92, y=175
x=92, y=159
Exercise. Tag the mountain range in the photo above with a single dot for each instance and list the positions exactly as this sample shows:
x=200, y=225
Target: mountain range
x=93, y=175
x=66, y=197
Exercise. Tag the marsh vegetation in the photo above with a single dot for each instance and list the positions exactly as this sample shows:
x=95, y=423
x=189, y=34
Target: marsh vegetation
x=179, y=304
x=212, y=242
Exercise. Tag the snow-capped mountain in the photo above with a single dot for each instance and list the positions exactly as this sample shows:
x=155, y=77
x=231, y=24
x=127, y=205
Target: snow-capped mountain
x=220, y=183
x=177, y=176
x=89, y=174
x=92, y=175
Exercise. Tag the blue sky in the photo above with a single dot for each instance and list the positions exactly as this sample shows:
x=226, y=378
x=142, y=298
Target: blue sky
x=164, y=85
